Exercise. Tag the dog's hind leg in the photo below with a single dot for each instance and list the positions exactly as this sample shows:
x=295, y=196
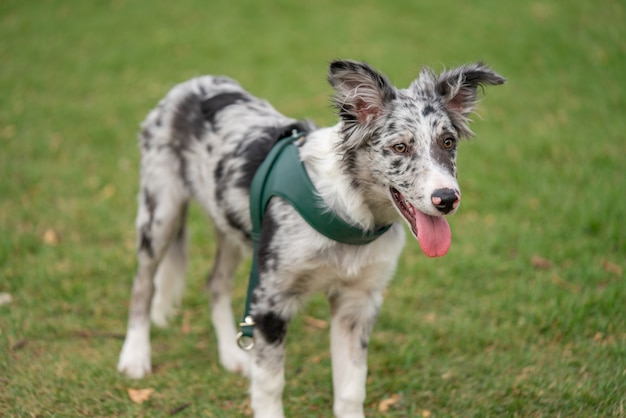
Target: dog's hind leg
x=354, y=313
x=158, y=221
x=220, y=283
x=170, y=277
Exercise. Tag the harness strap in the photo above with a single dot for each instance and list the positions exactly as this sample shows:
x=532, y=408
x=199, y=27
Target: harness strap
x=282, y=174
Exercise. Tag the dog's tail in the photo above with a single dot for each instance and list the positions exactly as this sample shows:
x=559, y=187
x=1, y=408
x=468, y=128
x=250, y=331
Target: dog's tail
x=170, y=280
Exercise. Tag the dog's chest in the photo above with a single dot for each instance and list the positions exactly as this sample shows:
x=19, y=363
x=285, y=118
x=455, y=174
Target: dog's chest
x=326, y=264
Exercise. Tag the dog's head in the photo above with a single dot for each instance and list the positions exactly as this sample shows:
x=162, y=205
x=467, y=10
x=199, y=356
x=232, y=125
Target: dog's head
x=401, y=143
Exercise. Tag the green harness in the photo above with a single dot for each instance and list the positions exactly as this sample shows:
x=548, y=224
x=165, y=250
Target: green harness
x=282, y=174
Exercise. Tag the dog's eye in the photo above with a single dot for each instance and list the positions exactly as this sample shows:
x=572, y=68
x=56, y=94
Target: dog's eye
x=401, y=148
x=449, y=143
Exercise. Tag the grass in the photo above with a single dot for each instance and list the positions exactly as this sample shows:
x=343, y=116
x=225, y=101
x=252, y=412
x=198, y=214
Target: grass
x=524, y=317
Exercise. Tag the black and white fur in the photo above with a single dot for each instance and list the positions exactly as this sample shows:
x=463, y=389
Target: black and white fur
x=392, y=154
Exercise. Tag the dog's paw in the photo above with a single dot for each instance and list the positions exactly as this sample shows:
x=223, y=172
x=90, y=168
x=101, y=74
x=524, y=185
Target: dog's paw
x=236, y=360
x=134, y=359
x=133, y=370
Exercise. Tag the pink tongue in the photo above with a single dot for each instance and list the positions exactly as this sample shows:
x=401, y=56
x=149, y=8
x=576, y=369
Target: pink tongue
x=433, y=234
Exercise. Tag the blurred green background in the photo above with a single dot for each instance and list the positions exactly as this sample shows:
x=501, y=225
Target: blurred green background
x=525, y=315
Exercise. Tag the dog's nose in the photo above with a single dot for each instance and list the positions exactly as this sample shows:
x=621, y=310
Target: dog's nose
x=445, y=200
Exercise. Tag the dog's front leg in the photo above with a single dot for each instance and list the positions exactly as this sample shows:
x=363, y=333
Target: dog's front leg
x=268, y=366
x=353, y=315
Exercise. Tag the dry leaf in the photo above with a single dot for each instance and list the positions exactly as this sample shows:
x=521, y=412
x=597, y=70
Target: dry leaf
x=8, y=132
x=139, y=395
x=447, y=375
x=50, y=237
x=186, y=325
x=426, y=413
x=557, y=280
x=385, y=404
x=430, y=317
x=107, y=192
x=5, y=298
x=18, y=344
x=315, y=323
x=540, y=263
x=179, y=408
x=612, y=268
x=603, y=339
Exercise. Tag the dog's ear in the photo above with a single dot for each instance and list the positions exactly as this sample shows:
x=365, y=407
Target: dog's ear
x=361, y=93
x=458, y=89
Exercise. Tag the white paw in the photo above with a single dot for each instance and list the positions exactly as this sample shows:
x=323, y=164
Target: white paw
x=234, y=359
x=278, y=413
x=348, y=409
x=134, y=359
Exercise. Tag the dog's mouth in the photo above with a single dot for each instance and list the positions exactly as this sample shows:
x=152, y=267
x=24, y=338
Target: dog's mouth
x=432, y=232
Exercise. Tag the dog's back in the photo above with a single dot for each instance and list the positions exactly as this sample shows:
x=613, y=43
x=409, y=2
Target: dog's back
x=209, y=135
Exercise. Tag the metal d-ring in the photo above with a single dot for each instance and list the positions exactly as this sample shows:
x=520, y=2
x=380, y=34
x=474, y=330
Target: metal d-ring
x=246, y=342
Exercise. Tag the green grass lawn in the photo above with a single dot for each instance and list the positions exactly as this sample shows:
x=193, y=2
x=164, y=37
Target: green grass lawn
x=526, y=315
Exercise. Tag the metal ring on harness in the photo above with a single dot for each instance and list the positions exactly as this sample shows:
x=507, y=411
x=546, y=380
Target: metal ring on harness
x=246, y=342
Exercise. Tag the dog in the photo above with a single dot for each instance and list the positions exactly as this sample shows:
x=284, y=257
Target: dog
x=390, y=159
